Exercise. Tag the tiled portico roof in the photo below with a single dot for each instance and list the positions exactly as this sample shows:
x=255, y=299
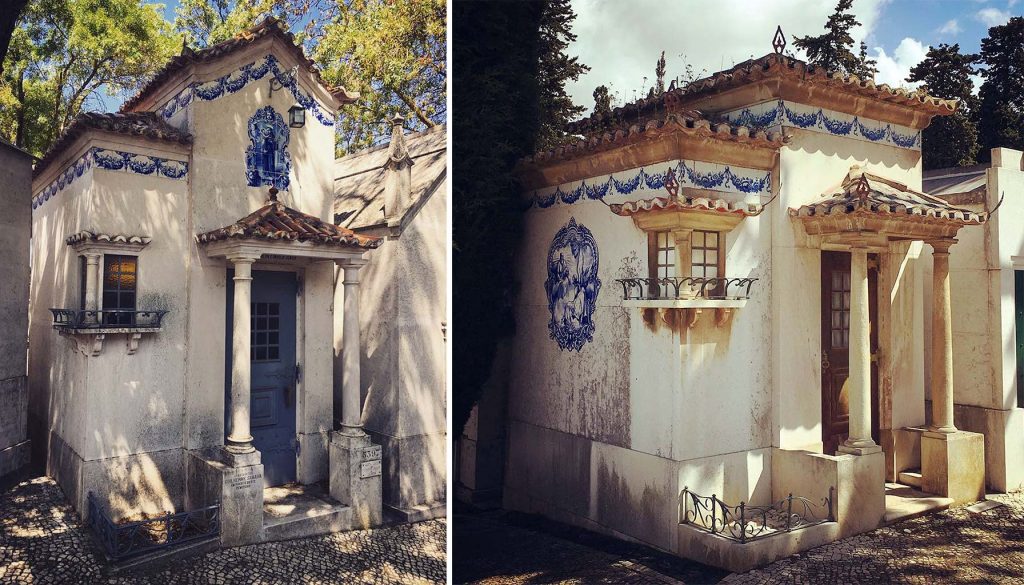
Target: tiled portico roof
x=869, y=193
x=276, y=221
x=686, y=204
x=143, y=124
x=269, y=27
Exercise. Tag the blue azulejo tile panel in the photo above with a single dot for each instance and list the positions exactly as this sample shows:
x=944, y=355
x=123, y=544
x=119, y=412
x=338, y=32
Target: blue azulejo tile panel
x=239, y=79
x=650, y=182
x=267, y=161
x=111, y=160
x=572, y=286
x=783, y=113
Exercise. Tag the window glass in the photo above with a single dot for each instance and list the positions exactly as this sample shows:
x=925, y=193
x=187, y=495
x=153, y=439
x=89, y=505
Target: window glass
x=119, y=285
x=666, y=267
x=704, y=253
x=264, y=341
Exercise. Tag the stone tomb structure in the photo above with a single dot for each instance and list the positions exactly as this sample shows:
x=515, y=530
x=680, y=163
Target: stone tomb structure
x=725, y=299
x=183, y=302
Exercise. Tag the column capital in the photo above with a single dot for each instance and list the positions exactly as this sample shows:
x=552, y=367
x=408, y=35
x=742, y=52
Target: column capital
x=243, y=257
x=92, y=257
x=942, y=246
x=352, y=262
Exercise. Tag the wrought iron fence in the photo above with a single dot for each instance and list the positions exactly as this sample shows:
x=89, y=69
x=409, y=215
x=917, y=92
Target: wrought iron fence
x=75, y=319
x=745, y=523
x=129, y=539
x=686, y=287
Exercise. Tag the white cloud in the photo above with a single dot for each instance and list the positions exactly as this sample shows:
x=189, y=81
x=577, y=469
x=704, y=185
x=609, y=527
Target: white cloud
x=621, y=41
x=951, y=27
x=895, y=69
x=992, y=16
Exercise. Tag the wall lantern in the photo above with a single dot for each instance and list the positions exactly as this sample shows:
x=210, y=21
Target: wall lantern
x=296, y=116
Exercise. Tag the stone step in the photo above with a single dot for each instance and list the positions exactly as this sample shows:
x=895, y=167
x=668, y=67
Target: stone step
x=911, y=477
x=312, y=523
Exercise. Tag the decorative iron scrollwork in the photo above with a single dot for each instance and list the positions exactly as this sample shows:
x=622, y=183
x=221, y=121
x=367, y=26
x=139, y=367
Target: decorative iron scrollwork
x=686, y=287
x=745, y=523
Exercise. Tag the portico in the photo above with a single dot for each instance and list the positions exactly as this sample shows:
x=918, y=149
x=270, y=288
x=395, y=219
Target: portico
x=870, y=214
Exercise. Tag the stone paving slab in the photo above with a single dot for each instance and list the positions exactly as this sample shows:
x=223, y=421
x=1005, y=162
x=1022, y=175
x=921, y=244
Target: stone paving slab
x=951, y=546
x=43, y=541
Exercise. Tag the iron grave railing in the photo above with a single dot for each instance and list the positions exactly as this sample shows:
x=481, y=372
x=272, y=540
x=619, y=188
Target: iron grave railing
x=745, y=523
x=130, y=539
x=686, y=287
x=106, y=318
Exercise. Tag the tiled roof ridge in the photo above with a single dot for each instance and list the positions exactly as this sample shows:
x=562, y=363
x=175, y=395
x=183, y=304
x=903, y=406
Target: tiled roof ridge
x=767, y=66
x=267, y=27
x=690, y=121
x=144, y=124
x=277, y=221
x=87, y=236
x=686, y=204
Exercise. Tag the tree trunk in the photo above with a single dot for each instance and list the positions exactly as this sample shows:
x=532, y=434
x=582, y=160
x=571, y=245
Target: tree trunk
x=8, y=20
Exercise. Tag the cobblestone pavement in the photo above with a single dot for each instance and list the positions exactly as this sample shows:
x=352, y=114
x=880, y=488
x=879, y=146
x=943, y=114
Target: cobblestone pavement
x=43, y=541
x=953, y=546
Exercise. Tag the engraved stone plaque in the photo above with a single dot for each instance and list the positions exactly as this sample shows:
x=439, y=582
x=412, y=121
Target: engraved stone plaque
x=369, y=469
x=247, y=478
x=372, y=453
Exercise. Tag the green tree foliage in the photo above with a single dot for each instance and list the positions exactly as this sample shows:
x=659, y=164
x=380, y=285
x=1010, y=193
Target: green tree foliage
x=833, y=50
x=65, y=53
x=949, y=141
x=555, y=69
x=659, y=75
x=8, y=20
x=207, y=22
x=496, y=54
x=1001, y=112
x=602, y=101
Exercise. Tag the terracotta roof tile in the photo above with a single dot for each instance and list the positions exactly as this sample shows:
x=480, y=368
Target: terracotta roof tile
x=145, y=124
x=276, y=221
x=686, y=204
x=268, y=27
x=866, y=192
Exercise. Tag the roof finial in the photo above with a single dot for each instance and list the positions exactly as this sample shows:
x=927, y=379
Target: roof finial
x=779, y=42
x=273, y=195
x=398, y=151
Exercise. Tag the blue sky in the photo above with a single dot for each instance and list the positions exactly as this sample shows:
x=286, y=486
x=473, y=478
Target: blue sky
x=621, y=41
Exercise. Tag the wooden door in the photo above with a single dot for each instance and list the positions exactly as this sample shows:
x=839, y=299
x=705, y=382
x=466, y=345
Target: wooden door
x=835, y=347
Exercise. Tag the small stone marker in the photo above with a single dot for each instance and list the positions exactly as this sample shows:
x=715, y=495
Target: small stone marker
x=369, y=469
x=983, y=506
x=372, y=453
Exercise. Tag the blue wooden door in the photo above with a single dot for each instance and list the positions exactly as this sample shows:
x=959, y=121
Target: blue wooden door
x=272, y=356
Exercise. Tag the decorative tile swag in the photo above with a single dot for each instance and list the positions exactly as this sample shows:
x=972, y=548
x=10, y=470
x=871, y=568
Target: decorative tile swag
x=780, y=112
x=112, y=160
x=700, y=175
x=237, y=80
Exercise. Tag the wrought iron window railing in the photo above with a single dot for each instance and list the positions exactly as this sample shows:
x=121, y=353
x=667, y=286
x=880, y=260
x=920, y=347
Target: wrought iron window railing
x=129, y=539
x=107, y=318
x=745, y=523
x=686, y=287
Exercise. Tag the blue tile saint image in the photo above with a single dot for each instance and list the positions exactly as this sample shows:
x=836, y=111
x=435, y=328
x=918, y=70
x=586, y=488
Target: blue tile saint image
x=572, y=286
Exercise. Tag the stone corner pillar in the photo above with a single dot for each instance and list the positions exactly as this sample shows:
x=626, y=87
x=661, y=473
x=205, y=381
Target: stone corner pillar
x=859, y=441
x=355, y=477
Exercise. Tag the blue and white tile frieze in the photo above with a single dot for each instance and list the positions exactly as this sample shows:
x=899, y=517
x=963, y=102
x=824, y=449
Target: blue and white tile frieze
x=239, y=79
x=650, y=182
x=111, y=160
x=572, y=286
x=783, y=113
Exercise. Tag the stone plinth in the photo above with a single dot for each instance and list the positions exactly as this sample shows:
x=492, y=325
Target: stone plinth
x=236, y=482
x=356, y=477
x=953, y=465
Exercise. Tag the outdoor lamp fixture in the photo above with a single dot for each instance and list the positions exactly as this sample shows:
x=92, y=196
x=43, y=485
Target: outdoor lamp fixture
x=296, y=116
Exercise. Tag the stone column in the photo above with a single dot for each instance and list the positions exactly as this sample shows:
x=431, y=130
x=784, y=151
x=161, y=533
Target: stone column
x=92, y=268
x=942, y=340
x=349, y=419
x=859, y=441
x=239, y=439
x=355, y=462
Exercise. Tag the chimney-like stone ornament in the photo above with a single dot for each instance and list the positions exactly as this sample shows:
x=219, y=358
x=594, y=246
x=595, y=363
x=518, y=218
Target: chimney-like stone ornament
x=398, y=175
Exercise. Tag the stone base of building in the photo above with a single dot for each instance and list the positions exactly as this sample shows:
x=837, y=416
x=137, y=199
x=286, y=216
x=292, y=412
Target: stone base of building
x=14, y=458
x=1004, y=443
x=413, y=478
x=355, y=472
x=418, y=513
x=15, y=449
x=953, y=465
x=724, y=553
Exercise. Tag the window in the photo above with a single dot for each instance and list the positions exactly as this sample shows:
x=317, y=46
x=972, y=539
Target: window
x=840, y=309
x=705, y=254
x=265, y=338
x=665, y=255
x=119, y=285
x=82, y=279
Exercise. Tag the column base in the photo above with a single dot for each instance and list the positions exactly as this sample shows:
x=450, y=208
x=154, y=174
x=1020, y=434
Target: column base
x=236, y=483
x=355, y=477
x=859, y=449
x=230, y=455
x=953, y=465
